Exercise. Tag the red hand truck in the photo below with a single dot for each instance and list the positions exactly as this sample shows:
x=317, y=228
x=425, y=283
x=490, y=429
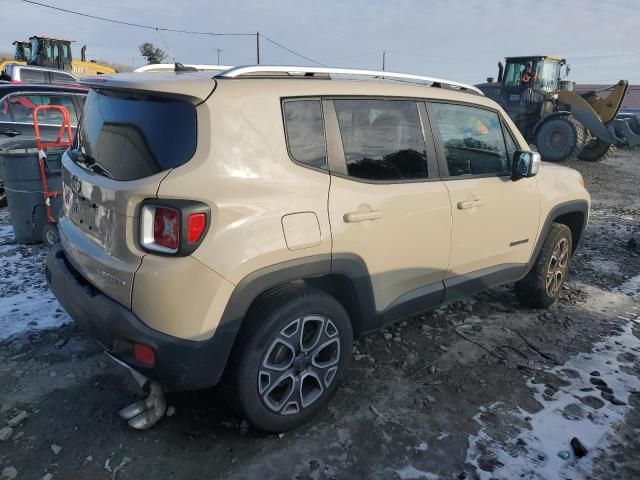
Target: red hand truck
x=50, y=232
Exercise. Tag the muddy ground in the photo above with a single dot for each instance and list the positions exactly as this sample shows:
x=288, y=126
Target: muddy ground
x=480, y=389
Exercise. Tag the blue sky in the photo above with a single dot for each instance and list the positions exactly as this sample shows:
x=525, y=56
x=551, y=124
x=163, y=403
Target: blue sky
x=458, y=39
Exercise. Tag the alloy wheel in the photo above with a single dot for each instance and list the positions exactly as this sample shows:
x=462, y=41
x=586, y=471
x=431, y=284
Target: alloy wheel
x=557, y=269
x=300, y=363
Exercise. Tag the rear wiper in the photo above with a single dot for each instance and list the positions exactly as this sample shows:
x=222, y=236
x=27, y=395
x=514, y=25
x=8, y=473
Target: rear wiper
x=79, y=157
x=89, y=163
x=99, y=170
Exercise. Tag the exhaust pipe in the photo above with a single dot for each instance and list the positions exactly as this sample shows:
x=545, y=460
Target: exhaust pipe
x=144, y=414
x=500, y=72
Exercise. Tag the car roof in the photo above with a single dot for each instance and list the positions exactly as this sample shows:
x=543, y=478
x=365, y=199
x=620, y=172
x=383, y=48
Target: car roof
x=7, y=88
x=44, y=69
x=169, y=67
x=200, y=84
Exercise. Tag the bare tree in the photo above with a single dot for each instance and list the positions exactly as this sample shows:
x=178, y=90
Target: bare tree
x=152, y=54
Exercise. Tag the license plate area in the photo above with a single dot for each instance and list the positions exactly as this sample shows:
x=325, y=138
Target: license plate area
x=88, y=216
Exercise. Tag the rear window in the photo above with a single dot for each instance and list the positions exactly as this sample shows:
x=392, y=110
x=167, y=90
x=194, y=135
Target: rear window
x=127, y=137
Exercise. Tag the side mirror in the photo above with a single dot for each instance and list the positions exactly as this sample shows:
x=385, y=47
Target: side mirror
x=525, y=164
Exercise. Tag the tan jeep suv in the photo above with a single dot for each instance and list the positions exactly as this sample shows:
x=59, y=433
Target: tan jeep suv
x=245, y=226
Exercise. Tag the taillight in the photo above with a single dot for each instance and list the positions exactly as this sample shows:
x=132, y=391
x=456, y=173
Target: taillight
x=174, y=227
x=166, y=227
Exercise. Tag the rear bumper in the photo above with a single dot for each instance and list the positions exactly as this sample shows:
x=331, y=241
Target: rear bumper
x=180, y=364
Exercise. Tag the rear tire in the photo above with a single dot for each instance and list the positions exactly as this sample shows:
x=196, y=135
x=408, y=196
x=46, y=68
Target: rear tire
x=292, y=353
x=596, y=150
x=542, y=285
x=560, y=138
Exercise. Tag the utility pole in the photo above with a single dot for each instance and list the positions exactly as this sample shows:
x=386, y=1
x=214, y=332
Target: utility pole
x=218, y=50
x=384, y=57
x=257, y=48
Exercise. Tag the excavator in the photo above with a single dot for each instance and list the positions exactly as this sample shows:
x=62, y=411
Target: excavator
x=561, y=123
x=54, y=53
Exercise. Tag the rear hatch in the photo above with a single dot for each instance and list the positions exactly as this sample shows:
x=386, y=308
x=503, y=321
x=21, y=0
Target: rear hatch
x=131, y=134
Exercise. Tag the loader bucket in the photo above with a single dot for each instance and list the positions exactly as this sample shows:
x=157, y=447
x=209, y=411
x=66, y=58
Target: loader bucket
x=617, y=132
x=586, y=115
x=608, y=107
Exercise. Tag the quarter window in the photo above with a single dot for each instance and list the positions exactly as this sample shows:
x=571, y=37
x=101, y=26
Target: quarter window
x=62, y=78
x=472, y=139
x=305, y=132
x=382, y=139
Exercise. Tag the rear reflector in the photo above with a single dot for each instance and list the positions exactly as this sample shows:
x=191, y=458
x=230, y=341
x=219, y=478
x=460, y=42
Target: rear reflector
x=144, y=354
x=196, y=225
x=166, y=227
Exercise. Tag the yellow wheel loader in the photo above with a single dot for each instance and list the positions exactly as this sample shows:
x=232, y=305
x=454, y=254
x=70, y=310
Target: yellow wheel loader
x=561, y=123
x=54, y=53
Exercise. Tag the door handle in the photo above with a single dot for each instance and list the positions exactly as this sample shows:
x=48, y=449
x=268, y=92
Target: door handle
x=361, y=216
x=11, y=132
x=465, y=205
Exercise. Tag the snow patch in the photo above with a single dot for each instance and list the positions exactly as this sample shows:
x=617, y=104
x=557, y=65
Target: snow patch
x=26, y=303
x=513, y=443
x=412, y=473
x=632, y=287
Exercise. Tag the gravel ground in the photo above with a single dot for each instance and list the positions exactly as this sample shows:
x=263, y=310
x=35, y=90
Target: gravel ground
x=479, y=389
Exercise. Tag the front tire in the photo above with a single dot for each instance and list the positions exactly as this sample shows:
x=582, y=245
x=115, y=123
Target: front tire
x=292, y=354
x=560, y=138
x=596, y=150
x=542, y=285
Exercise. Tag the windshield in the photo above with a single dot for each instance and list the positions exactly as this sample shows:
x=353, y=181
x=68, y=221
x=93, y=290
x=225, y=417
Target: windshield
x=547, y=75
x=128, y=137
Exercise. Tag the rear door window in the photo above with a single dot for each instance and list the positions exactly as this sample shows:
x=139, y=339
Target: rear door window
x=472, y=139
x=130, y=136
x=28, y=75
x=382, y=139
x=305, y=131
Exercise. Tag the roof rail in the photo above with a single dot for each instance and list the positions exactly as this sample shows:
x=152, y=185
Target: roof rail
x=236, y=72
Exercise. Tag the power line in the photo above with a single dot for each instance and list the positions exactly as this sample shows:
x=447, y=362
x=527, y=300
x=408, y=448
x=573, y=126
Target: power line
x=291, y=51
x=174, y=30
x=130, y=24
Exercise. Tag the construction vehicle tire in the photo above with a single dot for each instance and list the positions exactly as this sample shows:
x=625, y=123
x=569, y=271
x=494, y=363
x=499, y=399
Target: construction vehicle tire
x=596, y=150
x=560, y=138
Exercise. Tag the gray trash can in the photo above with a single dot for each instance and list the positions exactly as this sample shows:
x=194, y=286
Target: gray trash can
x=21, y=175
